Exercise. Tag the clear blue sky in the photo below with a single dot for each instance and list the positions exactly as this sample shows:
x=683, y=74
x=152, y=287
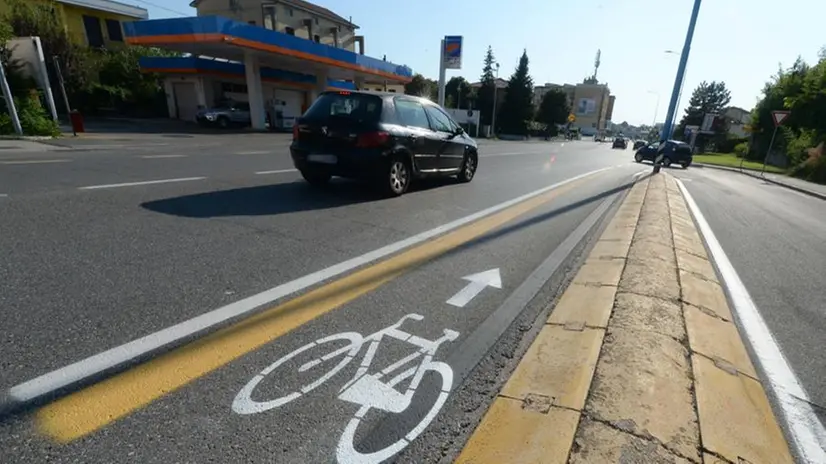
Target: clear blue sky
x=736, y=41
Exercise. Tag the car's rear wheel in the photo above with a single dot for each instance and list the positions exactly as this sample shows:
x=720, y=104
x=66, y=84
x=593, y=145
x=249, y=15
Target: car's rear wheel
x=666, y=161
x=685, y=164
x=397, y=176
x=469, y=165
x=316, y=177
x=638, y=158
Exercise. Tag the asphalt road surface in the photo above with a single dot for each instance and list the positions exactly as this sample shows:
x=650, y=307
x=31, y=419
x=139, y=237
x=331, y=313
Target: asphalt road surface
x=435, y=293
x=774, y=238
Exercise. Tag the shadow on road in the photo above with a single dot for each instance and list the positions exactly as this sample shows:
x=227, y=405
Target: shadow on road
x=280, y=198
x=277, y=199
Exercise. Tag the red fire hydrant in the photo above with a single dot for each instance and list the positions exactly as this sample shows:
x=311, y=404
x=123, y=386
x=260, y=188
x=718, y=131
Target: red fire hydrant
x=77, y=121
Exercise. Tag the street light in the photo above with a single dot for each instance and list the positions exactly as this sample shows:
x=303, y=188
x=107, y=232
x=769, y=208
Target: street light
x=679, y=79
x=495, y=87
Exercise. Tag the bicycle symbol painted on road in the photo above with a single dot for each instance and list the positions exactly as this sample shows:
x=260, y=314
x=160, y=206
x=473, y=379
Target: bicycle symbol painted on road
x=365, y=389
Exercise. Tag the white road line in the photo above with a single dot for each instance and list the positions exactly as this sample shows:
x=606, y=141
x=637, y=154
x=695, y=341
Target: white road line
x=4, y=195
x=259, y=152
x=146, y=182
x=36, y=161
x=277, y=171
x=162, y=156
x=491, y=155
x=807, y=432
x=94, y=365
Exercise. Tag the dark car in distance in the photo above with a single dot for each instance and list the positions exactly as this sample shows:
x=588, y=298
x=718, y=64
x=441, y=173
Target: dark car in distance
x=387, y=138
x=673, y=151
x=620, y=142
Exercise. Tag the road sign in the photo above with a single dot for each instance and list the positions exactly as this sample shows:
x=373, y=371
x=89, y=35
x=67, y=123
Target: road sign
x=708, y=122
x=453, y=52
x=478, y=282
x=779, y=116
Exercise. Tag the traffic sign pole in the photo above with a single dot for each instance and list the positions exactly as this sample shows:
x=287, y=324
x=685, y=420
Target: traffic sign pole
x=778, y=117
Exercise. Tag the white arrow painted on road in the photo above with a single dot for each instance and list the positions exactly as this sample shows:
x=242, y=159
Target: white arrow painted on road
x=478, y=282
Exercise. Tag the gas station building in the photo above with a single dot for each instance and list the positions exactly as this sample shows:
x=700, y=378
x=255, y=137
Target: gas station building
x=275, y=71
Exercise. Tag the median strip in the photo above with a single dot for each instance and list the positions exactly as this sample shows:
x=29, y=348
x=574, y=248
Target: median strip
x=640, y=360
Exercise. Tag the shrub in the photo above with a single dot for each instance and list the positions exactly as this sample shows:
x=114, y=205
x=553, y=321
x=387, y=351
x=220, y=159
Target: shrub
x=728, y=145
x=797, y=146
x=741, y=149
x=34, y=119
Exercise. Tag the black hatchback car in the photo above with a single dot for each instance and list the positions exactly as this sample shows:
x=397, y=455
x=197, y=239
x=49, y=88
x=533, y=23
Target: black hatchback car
x=620, y=142
x=387, y=138
x=673, y=151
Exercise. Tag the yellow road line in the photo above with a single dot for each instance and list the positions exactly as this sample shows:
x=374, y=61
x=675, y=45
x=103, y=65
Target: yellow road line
x=92, y=408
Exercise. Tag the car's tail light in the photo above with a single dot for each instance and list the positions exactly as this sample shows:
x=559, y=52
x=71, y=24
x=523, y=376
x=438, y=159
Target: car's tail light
x=295, y=132
x=372, y=139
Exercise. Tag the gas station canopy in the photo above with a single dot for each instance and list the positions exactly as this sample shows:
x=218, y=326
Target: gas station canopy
x=219, y=37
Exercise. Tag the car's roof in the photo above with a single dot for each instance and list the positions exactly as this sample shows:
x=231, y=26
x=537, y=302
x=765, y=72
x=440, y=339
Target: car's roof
x=378, y=93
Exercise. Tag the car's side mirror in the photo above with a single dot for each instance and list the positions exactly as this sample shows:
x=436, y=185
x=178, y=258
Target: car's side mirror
x=459, y=131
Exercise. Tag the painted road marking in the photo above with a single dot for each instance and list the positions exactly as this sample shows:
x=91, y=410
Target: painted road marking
x=36, y=161
x=277, y=171
x=87, y=410
x=146, y=182
x=258, y=152
x=162, y=156
x=476, y=283
x=808, y=433
x=367, y=390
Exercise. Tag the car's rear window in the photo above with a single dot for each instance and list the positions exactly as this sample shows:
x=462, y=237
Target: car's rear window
x=345, y=105
x=683, y=149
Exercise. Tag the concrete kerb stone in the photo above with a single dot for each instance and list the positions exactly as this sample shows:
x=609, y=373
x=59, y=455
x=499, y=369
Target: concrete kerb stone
x=598, y=443
x=627, y=338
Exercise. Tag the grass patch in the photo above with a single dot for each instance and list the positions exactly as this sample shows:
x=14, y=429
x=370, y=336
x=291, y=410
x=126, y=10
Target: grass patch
x=727, y=159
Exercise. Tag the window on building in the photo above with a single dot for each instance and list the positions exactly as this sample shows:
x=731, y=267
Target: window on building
x=411, y=113
x=114, y=30
x=316, y=21
x=289, y=31
x=392, y=90
x=290, y=12
x=94, y=33
x=269, y=15
x=317, y=38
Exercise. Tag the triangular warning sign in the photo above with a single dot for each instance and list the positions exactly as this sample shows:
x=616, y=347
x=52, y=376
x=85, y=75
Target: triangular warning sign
x=779, y=117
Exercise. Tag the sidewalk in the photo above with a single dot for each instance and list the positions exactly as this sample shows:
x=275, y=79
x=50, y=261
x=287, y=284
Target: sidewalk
x=802, y=186
x=639, y=362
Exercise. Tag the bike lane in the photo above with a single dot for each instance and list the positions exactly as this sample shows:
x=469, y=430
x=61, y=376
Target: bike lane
x=208, y=420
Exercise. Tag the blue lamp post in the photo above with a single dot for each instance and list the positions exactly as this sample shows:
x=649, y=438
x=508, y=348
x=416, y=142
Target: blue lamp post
x=678, y=81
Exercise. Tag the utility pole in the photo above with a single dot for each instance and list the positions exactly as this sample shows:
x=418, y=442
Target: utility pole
x=10, y=100
x=678, y=81
x=495, y=87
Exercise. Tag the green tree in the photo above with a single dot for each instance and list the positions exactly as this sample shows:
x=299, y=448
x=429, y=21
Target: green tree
x=554, y=108
x=786, y=84
x=420, y=86
x=711, y=97
x=459, y=91
x=485, y=93
x=79, y=65
x=517, y=109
